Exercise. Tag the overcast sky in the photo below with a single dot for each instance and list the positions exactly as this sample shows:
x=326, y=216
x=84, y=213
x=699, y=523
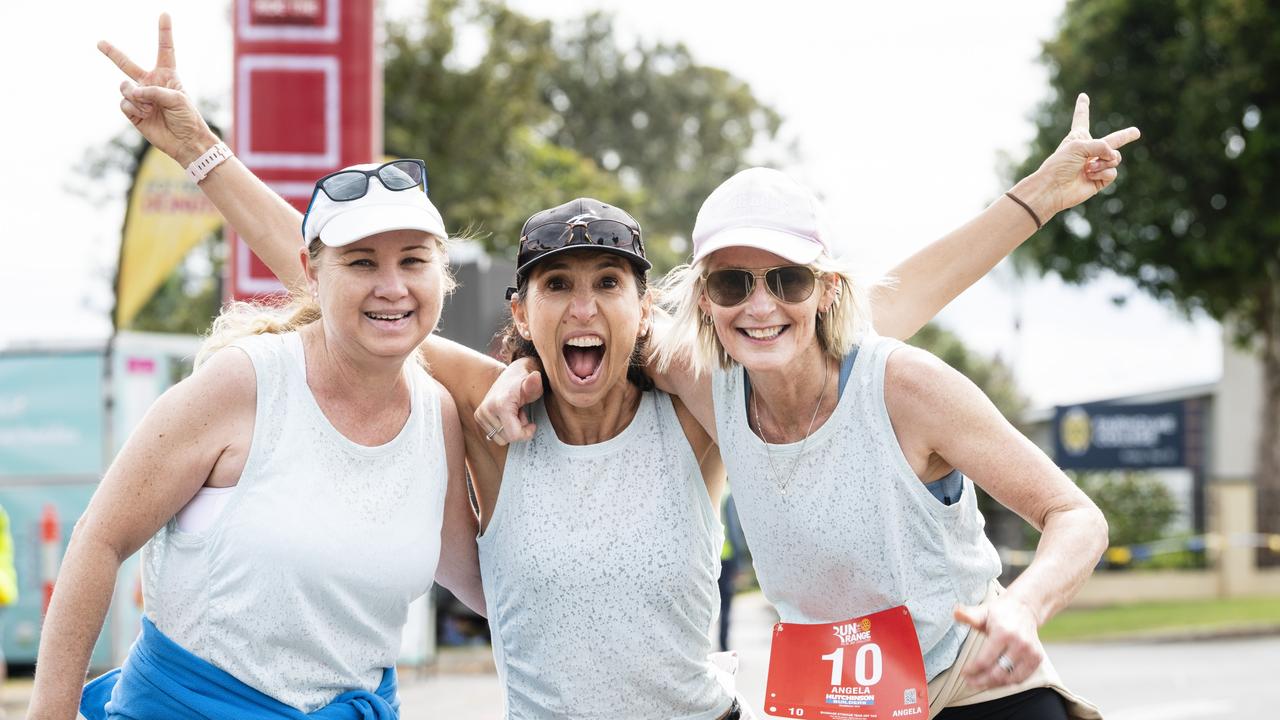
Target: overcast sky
x=900, y=111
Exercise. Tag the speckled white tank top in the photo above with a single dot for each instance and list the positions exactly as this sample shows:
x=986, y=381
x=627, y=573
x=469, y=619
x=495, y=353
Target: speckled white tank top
x=301, y=586
x=600, y=566
x=857, y=531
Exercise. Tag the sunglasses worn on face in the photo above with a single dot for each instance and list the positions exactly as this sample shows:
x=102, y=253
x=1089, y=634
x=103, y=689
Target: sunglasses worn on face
x=788, y=283
x=605, y=233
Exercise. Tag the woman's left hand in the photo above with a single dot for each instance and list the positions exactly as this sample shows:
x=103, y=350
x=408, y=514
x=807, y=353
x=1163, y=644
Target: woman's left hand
x=1081, y=166
x=1011, y=630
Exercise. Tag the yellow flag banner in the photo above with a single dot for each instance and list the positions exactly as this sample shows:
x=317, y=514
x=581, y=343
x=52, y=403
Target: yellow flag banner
x=167, y=216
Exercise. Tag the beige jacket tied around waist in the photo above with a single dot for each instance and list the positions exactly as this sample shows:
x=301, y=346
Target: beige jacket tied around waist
x=948, y=689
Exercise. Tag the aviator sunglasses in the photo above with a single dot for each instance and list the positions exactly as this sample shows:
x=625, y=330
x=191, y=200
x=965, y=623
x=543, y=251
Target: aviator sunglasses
x=348, y=185
x=788, y=283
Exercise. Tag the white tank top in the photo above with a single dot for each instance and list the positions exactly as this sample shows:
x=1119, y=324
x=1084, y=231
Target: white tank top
x=857, y=531
x=301, y=585
x=600, y=566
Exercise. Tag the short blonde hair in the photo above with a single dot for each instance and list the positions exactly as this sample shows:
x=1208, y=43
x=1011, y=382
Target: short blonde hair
x=241, y=319
x=689, y=341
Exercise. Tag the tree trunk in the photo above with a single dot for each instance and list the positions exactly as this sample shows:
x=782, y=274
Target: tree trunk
x=1268, y=469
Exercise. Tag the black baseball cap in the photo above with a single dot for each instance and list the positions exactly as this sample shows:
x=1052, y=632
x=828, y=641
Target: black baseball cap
x=582, y=212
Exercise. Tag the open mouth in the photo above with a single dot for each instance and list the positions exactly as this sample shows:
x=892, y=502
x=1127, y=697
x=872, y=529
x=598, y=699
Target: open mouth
x=583, y=356
x=764, y=334
x=389, y=320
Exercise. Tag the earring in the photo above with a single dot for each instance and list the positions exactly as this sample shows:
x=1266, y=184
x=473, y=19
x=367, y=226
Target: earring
x=706, y=320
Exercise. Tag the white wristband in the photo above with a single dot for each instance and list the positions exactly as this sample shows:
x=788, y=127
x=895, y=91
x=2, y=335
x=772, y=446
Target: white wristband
x=200, y=168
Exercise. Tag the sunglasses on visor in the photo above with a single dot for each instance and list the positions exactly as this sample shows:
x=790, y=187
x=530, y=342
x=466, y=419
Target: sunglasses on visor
x=348, y=185
x=732, y=286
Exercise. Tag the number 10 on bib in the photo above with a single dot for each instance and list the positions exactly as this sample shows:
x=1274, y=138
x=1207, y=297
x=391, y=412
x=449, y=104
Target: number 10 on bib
x=868, y=668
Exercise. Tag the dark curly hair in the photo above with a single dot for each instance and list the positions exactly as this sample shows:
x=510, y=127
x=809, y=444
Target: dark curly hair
x=513, y=346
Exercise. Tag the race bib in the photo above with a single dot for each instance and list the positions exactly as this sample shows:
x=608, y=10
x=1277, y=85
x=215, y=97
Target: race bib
x=868, y=668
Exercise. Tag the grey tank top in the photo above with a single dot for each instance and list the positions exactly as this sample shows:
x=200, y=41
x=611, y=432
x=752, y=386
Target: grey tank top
x=600, y=566
x=302, y=584
x=857, y=531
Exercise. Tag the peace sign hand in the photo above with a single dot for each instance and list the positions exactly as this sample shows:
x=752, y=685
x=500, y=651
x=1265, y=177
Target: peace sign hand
x=154, y=102
x=1082, y=166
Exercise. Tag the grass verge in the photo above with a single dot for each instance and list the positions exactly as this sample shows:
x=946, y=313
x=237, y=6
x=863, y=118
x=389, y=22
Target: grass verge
x=1192, y=617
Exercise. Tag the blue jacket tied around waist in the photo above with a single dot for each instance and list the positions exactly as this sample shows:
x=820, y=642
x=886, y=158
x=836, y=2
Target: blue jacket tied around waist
x=161, y=679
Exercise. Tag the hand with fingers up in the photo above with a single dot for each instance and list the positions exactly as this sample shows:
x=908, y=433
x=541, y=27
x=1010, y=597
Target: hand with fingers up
x=154, y=102
x=1080, y=167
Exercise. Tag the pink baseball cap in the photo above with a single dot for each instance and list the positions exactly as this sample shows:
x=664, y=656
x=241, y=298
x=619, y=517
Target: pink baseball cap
x=765, y=209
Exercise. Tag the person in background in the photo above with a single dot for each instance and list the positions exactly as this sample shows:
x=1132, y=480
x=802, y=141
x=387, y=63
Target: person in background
x=8, y=592
x=731, y=553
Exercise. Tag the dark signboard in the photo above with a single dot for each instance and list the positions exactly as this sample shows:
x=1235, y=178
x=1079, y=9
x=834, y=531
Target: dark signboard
x=1104, y=436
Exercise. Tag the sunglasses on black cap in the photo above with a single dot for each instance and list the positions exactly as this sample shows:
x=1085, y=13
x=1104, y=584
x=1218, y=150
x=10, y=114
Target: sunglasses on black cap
x=555, y=234
x=586, y=231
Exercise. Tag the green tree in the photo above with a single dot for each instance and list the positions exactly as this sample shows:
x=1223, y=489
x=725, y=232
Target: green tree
x=651, y=113
x=476, y=123
x=190, y=298
x=1138, y=506
x=541, y=116
x=1195, y=222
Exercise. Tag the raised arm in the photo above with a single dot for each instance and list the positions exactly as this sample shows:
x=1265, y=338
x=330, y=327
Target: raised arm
x=930, y=279
x=155, y=103
x=172, y=453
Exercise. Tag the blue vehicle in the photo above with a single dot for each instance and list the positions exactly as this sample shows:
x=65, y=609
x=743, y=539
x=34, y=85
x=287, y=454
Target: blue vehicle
x=64, y=412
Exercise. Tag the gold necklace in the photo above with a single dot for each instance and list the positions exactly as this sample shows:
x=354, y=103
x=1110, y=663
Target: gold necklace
x=755, y=406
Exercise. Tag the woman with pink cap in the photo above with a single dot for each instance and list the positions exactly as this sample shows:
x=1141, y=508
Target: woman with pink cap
x=851, y=454
x=853, y=457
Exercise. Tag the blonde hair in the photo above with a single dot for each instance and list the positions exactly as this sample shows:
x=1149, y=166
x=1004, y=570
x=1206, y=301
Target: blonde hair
x=241, y=319
x=689, y=341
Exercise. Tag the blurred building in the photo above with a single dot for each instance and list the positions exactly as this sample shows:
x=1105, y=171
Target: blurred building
x=1201, y=442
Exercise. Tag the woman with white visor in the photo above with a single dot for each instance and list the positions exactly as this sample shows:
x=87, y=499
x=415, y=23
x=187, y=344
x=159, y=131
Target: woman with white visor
x=294, y=494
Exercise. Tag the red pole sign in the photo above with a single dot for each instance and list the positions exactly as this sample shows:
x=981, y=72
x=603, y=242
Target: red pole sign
x=307, y=101
x=50, y=553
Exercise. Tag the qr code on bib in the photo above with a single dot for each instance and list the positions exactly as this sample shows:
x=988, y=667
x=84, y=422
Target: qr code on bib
x=909, y=696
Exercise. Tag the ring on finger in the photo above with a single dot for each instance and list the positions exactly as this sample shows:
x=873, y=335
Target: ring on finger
x=493, y=433
x=1005, y=663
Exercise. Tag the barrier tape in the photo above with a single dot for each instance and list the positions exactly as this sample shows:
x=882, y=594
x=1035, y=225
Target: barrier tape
x=1125, y=554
